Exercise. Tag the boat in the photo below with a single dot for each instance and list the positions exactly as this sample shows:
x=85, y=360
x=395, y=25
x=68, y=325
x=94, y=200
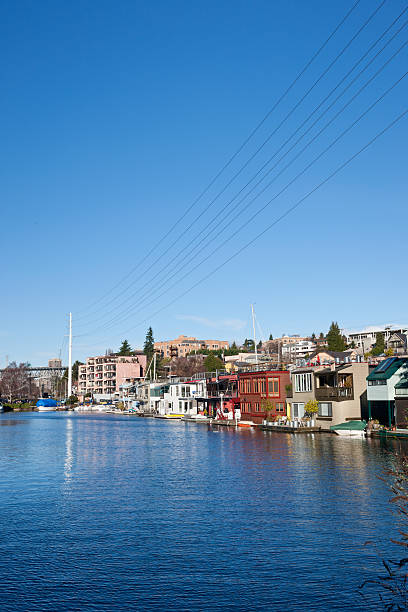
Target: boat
x=46, y=404
x=356, y=429
x=245, y=424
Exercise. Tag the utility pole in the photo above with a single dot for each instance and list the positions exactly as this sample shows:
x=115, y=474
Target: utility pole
x=70, y=357
x=154, y=368
x=253, y=325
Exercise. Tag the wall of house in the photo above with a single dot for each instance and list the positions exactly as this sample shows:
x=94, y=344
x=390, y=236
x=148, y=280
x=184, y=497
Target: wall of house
x=401, y=412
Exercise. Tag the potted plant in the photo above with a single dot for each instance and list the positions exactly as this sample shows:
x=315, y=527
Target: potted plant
x=311, y=409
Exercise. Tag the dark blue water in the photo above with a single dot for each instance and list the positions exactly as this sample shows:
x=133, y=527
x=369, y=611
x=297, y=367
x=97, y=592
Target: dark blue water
x=122, y=513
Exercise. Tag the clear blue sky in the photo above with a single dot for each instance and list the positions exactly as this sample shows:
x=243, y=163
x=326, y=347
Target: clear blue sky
x=115, y=116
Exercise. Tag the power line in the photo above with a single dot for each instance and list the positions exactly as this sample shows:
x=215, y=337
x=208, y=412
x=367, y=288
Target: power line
x=194, y=239
x=280, y=218
x=279, y=193
x=238, y=151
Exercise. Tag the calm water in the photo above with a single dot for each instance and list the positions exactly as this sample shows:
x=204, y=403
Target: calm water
x=122, y=513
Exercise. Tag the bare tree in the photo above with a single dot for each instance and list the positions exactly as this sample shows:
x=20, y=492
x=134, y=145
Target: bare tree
x=187, y=366
x=15, y=382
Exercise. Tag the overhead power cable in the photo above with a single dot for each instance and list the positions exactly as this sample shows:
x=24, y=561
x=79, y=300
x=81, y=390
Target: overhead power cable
x=237, y=152
x=245, y=225
x=193, y=241
x=287, y=212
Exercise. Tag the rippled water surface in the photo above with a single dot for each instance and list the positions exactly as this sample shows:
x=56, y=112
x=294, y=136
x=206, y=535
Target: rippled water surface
x=121, y=513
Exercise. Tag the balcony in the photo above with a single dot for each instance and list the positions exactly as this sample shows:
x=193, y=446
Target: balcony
x=334, y=394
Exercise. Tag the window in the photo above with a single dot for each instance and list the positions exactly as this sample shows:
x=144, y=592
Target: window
x=256, y=406
x=180, y=406
x=256, y=385
x=374, y=383
x=299, y=410
x=325, y=409
x=273, y=386
x=303, y=382
x=262, y=385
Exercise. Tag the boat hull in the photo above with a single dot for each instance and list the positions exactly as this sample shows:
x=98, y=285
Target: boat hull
x=349, y=433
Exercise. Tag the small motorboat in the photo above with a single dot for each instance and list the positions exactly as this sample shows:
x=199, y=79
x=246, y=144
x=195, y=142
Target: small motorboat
x=356, y=429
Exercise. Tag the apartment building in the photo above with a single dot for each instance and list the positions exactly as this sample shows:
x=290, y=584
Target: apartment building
x=183, y=345
x=104, y=374
x=366, y=338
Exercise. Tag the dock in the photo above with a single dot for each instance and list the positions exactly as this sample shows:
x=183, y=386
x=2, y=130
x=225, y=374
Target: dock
x=289, y=429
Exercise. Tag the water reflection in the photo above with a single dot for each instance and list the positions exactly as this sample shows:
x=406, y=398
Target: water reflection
x=68, y=451
x=11, y=422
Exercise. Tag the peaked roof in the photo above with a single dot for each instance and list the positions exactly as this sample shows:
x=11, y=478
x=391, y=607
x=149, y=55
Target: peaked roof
x=385, y=370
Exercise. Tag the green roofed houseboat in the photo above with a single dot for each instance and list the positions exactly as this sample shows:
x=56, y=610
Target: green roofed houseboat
x=387, y=392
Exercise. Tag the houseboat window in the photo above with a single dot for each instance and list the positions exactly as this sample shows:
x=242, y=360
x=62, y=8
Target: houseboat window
x=256, y=385
x=303, y=382
x=299, y=410
x=280, y=407
x=263, y=385
x=273, y=386
x=325, y=409
x=373, y=383
x=180, y=406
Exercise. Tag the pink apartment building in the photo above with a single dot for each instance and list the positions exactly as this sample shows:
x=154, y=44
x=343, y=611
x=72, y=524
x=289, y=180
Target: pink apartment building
x=181, y=346
x=104, y=374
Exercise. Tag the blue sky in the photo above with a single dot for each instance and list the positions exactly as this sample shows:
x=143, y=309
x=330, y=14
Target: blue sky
x=115, y=116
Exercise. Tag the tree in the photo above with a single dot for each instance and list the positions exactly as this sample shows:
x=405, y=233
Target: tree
x=313, y=337
x=249, y=345
x=335, y=340
x=311, y=408
x=148, y=347
x=389, y=352
x=213, y=363
x=234, y=346
x=187, y=366
x=125, y=349
x=259, y=345
x=270, y=337
x=15, y=382
x=379, y=347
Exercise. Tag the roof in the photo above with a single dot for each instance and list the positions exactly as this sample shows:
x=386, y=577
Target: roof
x=334, y=354
x=402, y=337
x=387, y=368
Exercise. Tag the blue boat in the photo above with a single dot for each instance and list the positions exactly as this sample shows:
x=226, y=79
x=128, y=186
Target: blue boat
x=46, y=404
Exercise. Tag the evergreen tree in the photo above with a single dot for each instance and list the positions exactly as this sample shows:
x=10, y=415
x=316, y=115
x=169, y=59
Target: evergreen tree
x=125, y=349
x=335, y=340
x=249, y=345
x=379, y=346
x=148, y=347
x=213, y=363
x=270, y=337
x=313, y=337
x=259, y=345
x=234, y=346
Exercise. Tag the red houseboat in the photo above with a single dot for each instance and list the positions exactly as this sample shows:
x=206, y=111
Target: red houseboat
x=263, y=394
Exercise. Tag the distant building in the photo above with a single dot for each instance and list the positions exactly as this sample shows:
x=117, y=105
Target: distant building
x=366, y=338
x=105, y=374
x=297, y=350
x=183, y=345
x=55, y=363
